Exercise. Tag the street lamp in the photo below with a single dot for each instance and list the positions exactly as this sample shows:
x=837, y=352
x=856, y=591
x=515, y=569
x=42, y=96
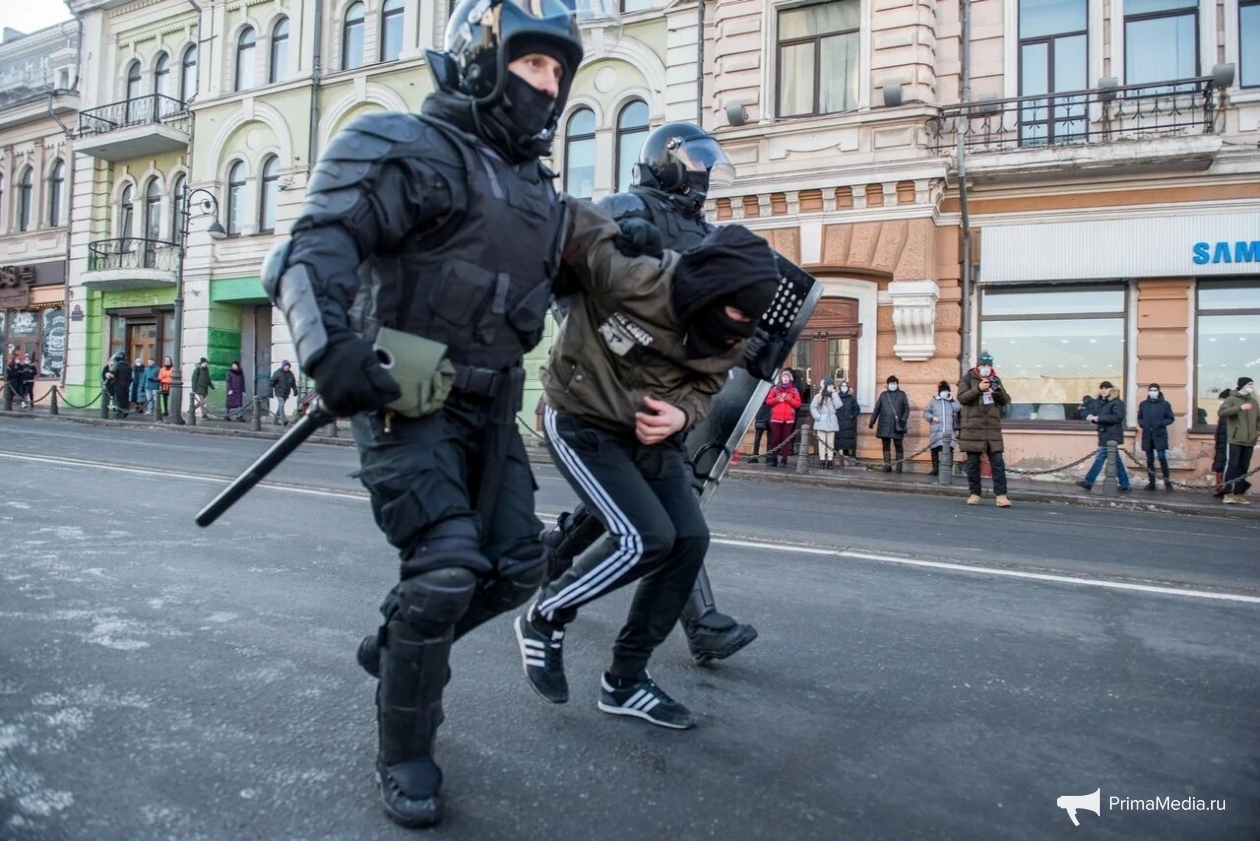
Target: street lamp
x=209, y=206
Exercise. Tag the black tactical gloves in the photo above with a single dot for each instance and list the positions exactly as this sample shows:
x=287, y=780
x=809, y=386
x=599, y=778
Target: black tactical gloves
x=350, y=379
x=639, y=238
x=762, y=355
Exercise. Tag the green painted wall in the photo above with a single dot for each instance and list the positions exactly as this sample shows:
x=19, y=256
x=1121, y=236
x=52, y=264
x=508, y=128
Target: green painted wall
x=238, y=290
x=96, y=342
x=223, y=346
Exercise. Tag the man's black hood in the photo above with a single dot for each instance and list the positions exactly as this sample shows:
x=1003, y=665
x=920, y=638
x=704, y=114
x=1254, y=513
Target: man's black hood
x=731, y=266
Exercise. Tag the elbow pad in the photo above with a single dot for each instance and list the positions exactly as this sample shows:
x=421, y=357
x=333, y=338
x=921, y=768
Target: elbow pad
x=292, y=291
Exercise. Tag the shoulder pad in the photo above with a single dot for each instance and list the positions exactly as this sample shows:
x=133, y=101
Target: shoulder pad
x=395, y=126
x=621, y=205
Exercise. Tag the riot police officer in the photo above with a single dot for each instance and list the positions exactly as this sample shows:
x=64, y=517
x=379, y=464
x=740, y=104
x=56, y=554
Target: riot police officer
x=392, y=263
x=677, y=166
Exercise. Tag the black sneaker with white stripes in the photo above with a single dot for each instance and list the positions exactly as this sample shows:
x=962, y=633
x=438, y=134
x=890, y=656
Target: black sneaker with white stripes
x=542, y=654
x=643, y=699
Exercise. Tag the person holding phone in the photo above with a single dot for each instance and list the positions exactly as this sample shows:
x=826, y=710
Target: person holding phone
x=982, y=397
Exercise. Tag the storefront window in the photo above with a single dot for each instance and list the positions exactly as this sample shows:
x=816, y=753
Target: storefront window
x=1053, y=346
x=1228, y=338
x=40, y=333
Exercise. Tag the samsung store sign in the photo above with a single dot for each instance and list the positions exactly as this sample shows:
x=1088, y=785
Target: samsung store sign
x=1164, y=246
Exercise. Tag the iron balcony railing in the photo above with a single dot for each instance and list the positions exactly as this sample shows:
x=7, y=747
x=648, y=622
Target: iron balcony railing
x=1181, y=108
x=144, y=110
x=132, y=253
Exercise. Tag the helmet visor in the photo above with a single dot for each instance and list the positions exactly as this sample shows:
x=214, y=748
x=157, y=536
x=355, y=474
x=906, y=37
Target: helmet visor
x=703, y=154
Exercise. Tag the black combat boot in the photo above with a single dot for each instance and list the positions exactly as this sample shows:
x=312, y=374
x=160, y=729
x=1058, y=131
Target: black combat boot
x=1150, y=481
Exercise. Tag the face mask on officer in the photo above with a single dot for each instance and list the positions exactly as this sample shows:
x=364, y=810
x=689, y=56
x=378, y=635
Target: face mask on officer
x=529, y=94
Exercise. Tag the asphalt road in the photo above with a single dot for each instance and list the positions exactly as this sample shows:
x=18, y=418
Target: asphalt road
x=925, y=670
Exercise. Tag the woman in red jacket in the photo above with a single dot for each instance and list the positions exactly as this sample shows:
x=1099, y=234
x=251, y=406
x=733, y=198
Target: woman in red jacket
x=783, y=401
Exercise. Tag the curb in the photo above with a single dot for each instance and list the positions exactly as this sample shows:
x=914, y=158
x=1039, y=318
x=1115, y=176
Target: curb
x=152, y=426
x=1019, y=494
x=537, y=454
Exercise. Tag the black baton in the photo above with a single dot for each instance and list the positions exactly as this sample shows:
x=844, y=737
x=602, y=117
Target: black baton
x=314, y=418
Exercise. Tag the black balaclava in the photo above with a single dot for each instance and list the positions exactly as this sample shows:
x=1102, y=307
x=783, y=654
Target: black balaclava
x=731, y=266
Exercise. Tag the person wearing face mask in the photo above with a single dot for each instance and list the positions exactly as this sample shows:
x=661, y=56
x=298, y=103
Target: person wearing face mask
x=982, y=397
x=1241, y=411
x=892, y=417
x=164, y=385
x=847, y=413
x=634, y=366
x=1155, y=415
x=942, y=416
x=823, y=409
x=783, y=400
x=1108, y=414
x=427, y=249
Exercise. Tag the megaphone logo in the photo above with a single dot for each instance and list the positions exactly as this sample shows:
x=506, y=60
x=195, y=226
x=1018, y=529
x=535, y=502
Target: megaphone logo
x=1080, y=801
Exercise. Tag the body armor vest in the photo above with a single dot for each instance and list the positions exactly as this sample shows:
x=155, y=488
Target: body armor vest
x=679, y=231
x=481, y=282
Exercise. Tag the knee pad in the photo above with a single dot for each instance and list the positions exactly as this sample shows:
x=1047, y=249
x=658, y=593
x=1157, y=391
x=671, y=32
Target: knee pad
x=517, y=587
x=430, y=603
x=443, y=553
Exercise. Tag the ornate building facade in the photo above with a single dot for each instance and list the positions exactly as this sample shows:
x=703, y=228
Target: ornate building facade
x=38, y=101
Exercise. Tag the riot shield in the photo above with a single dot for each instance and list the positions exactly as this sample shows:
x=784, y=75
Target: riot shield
x=711, y=444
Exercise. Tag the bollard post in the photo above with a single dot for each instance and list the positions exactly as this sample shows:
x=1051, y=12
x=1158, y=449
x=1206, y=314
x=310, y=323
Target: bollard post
x=52, y=406
x=945, y=467
x=192, y=409
x=256, y=425
x=104, y=402
x=8, y=396
x=1110, y=480
x=802, y=454
x=332, y=429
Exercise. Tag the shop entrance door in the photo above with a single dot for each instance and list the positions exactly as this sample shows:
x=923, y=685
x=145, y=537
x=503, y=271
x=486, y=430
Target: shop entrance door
x=142, y=340
x=828, y=346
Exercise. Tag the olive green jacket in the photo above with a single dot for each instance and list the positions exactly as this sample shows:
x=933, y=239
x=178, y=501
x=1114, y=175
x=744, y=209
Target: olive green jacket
x=1241, y=427
x=622, y=340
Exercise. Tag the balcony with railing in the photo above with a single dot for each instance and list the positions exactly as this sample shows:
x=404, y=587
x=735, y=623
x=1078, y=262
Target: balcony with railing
x=134, y=128
x=1174, y=125
x=131, y=263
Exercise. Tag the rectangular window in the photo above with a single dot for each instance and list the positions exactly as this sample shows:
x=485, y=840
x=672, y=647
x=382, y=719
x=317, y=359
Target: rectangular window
x=1227, y=331
x=1053, y=59
x=818, y=59
x=630, y=6
x=39, y=333
x=1052, y=346
x=1161, y=40
x=1248, y=38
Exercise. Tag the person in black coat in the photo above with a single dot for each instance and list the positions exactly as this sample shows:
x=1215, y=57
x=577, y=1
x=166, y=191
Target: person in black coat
x=1222, y=448
x=122, y=384
x=847, y=419
x=890, y=418
x=1155, y=415
x=761, y=429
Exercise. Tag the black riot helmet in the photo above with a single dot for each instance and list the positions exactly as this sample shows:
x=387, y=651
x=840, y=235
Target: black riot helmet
x=484, y=36
x=684, y=159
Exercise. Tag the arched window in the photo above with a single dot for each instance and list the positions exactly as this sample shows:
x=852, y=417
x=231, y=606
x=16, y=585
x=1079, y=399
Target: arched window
x=188, y=75
x=391, y=29
x=245, y=59
x=579, y=154
x=267, y=194
x=153, y=209
x=632, y=130
x=235, y=198
x=152, y=220
x=177, y=214
x=279, y=62
x=162, y=80
x=134, y=106
x=352, y=38
x=126, y=211
x=26, y=190
x=56, y=182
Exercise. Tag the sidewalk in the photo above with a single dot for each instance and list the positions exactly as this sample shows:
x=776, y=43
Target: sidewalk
x=1192, y=501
